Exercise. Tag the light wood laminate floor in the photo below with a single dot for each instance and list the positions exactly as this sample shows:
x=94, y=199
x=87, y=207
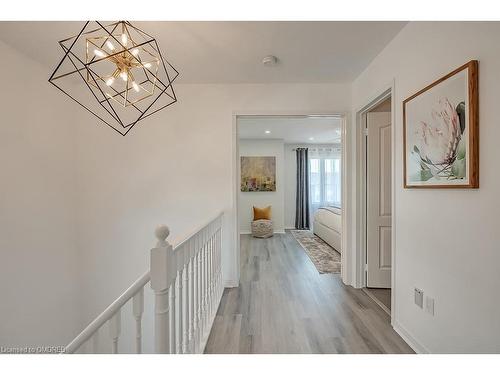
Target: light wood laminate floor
x=283, y=305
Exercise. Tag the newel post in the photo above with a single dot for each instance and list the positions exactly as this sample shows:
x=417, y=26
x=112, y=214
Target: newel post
x=162, y=274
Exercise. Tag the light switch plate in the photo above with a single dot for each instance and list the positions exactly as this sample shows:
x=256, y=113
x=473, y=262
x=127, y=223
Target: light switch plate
x=429, y=305
x=419, y=298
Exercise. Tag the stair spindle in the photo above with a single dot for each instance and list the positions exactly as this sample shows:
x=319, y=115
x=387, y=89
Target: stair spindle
x=191, y=298
x=138, y=310
x=179, y=304
x=115, y=330
x=185, y=313
x=95, y=342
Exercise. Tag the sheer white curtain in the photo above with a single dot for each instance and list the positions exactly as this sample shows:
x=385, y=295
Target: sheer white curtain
x=324, y=177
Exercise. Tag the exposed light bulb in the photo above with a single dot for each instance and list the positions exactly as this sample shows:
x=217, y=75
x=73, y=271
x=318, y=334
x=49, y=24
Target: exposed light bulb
x=124, y=75
x=110, y=45
x=110, y=81
x=268, y=132
x=147, y=65
x=135, y=86
x=99, y=53
x=124, y=39
x=135, y=52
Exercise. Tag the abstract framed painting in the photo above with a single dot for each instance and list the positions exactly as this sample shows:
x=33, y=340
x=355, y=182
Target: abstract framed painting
x=258, y=173
x=441, y=132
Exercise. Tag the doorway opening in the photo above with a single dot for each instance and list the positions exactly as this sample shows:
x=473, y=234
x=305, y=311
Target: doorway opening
x=377, y=147
x=273, y=141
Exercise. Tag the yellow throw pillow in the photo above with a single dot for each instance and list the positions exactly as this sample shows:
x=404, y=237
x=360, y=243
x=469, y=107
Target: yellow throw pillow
x=262, y=213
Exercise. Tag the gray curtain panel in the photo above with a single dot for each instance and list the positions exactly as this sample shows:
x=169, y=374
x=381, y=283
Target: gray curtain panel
x=302, y=197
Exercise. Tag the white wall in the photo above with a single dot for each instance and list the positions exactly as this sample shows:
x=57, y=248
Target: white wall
x=447, y=241
x=177, y=168
x=38, y=253
x=275, y=199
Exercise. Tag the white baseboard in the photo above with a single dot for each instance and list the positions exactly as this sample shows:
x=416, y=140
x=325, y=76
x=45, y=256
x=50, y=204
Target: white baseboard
x=410, y=340
x=231, y=283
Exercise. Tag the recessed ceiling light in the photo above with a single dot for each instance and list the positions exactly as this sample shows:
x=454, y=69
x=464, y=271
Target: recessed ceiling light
x=311, y=138
x=268, y=132
x=270, y=60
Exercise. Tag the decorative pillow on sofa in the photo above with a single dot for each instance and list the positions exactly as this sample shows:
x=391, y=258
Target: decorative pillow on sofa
x=262, y=213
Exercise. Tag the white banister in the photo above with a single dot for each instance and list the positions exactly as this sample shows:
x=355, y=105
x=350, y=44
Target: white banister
x=198, y=316
x=178, y=318
x=171, y=328
x=138, y=310
x=191, y=281
x=203, y=281
x=107, y=314
x=196, y=296
x=185, y=312
x=211, y=290
x=161, y=279
x=187, y=285
x=115, y=328
x=95, y=342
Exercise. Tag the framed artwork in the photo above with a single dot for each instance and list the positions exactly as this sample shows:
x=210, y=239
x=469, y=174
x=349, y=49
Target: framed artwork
x=441, y=132
x=258, y=173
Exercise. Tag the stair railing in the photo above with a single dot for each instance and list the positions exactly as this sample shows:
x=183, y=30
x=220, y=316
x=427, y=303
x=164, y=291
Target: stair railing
x=187, y=285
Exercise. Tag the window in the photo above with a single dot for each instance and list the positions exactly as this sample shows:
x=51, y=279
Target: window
x=315, y=180
x=324, y=180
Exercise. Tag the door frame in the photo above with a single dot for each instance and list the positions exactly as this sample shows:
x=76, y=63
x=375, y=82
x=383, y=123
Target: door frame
x=234, y=281
x=361, y=169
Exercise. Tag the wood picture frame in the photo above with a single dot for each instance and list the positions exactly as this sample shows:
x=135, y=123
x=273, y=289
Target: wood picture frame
x=441, y=132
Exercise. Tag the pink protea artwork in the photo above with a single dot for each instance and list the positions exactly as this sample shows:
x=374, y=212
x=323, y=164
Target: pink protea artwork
x=437, y=142
x=441, y=132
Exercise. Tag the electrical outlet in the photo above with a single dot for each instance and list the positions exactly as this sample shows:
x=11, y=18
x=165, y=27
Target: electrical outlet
x=419, y=298
x=429, y=305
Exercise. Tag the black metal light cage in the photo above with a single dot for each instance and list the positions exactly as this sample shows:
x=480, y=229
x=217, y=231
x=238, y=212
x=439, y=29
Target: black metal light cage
x=103, y=100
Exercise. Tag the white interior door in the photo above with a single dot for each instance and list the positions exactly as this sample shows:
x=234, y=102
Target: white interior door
x=378, y=196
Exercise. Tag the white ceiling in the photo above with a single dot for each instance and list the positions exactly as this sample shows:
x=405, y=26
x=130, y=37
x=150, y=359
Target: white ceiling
x=231, y=52
x=291, y=129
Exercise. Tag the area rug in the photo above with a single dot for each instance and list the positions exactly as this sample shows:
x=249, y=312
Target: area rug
x=324, y=257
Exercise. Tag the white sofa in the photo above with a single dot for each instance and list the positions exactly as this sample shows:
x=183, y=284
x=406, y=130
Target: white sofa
x=327, y=225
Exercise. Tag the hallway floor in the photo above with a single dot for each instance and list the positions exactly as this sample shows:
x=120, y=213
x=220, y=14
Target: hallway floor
x=283, y=305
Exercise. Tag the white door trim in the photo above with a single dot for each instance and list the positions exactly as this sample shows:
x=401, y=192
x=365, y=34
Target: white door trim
x=345, y=260
x=359, y=253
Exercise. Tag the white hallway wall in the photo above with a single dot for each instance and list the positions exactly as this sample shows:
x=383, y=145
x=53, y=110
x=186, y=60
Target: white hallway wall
x=447, y=241
x=38, y=252
x=176, y=168
x=275, y=199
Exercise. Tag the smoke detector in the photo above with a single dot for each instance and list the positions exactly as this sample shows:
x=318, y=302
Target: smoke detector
x=270, y=60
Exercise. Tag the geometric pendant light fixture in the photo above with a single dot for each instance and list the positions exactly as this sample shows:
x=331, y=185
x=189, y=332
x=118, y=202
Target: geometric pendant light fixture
x=116, y=72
